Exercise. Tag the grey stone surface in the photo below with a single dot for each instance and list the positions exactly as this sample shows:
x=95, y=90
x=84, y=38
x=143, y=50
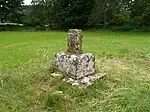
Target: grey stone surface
x=79, y=67
x=56, y=74
x=58, y=93
x=74, y=41
x=75, y=84
x=75, y=66
x=86, y=81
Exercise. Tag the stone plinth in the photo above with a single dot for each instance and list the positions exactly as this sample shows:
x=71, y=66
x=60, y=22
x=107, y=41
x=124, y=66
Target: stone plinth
x=75, y=66
x=74, y=41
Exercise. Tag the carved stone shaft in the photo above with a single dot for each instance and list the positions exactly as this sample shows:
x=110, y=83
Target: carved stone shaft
x=75, y=41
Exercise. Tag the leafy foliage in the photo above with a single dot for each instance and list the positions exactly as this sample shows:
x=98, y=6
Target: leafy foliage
x=10, y=10
x=64, y=14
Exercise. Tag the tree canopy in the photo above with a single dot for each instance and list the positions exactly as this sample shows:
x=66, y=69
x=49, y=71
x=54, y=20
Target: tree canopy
x=11, y=10
x=64, y=14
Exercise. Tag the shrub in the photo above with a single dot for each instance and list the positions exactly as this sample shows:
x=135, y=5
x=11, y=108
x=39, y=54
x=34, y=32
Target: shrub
x=10, y=27
x=118, y=19
x=121, y=28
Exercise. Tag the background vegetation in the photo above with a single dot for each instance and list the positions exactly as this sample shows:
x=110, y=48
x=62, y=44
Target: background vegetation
x=84, y=14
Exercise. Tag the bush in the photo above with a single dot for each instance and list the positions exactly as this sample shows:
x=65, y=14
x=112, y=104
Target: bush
x=10, y=27
x=146, y=17
x=118, y=19
x=136, y=21
x=121, y=28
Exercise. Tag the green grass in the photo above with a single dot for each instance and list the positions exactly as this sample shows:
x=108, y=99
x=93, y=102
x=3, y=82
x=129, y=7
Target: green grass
x=26, y=62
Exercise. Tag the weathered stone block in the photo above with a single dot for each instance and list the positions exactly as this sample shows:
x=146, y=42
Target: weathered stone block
x=74, y=41
x=76, y=66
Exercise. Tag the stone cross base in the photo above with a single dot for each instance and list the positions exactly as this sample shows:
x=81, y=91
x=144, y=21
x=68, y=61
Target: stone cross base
x=75, y=66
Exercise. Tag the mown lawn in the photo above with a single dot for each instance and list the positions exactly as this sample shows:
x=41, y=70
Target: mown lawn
x=26, y=64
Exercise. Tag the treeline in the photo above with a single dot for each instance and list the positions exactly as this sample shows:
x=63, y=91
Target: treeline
x=64, y=14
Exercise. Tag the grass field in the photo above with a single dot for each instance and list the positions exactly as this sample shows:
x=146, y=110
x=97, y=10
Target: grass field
x=26, y=62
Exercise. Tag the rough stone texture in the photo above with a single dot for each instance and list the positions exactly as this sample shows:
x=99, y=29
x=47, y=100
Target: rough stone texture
x=75, y=41
x=56, y=74
x=76, y=66
x=86, y=81
x=80, y=68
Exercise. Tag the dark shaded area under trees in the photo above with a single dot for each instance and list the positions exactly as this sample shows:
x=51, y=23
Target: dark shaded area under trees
x=121, y=15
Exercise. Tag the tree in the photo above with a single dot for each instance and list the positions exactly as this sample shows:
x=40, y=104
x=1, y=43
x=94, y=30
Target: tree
x=41, y=13
x=103, y=12
x=72, y=13
x=66, y=14
x=140, y=12
x=11, y=10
